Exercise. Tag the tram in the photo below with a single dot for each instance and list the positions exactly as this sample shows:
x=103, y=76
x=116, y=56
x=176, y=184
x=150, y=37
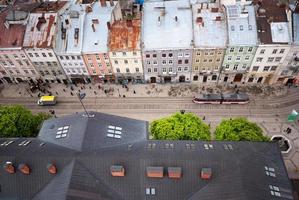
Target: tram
x=229, y=98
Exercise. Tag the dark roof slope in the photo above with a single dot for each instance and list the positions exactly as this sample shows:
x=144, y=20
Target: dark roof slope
x=238, y=168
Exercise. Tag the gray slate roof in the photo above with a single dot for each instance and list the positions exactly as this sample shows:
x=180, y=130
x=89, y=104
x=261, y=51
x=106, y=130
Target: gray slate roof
x=84, y=157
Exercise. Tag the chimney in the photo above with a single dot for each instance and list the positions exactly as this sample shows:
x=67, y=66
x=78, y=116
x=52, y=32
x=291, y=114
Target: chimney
x=214, y=10
x=9, y=167
x=117, y=170
x=24, y=169
x=218, y=18
x=206, y=173
x=111, y=3
x=159, y=20
x=52, y=168
x=93, y=28
x=154, y=172
x=88, y=9
x=176, y=19
x=174, y=172
x=103, y=3
x=108, y=25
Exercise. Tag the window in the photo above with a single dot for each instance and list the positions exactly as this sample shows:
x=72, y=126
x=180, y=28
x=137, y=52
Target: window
x=134, y=53
x=150, y=191
x=273, y=68
x=180, y=55
x=170, y=55
x=164, y=70
x=148, y=62
x=117, y=70
x=229, y=58
x=197, y=61
x=31, y=55
x=214, y=77
x=255, y=68
x=211, y=53
x=259, y=59
x=127, y=70
x=227, y=66
x=278, y=59
x=274, y=190
x=235, y=67
x=232, y=49
x=274, y=51
x=113, y=53
x=36, y=54
x=44, y=55
x=155, y=69
x=164, y=55
x=232, y=28
x=238, y=58
x=198, y=53
x=241, y=28
x=185, y=69
x=270, y=59
x=79, y=57
x=163, y=62
x=62, y=132
x=186, y=61
x=250, y=49
x=180, y=61
x=170, y=70
x=47, y=72
x=149, y=70
x=247, y=58
x=154, y=55
x=241, y=49
x=262, y=51
x=50, y=54
x=187, y=55
x=126, y=61
x=250, y=27
x=135, y=61
x=66, y=57
x=115, y=62
x=147, y=56
x=179, y=69
x=210, y=60
x=270, y=171
x=282, y=51
x=26, y=71
x=170, y=62
x=155, y=62
x=205, y=60
x=137, y=69
x=266, y=68
x=124, y=53
x=244, y=66
x=61, y=57
x=33, y=72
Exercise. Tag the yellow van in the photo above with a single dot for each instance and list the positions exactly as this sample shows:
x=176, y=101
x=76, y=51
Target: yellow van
x=47, y=101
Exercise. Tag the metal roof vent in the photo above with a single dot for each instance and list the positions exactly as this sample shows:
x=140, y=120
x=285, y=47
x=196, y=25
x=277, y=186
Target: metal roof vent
x=8, y=166
x=154, y=172
x=206, y=173
x=174, y=172
x=117, y=170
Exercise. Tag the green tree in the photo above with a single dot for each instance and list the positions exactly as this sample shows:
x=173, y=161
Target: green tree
x=17, y=121
x=239, y=129
x=180, y=127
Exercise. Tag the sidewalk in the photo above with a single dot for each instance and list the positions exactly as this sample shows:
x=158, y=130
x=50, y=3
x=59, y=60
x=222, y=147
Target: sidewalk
x=140, y=90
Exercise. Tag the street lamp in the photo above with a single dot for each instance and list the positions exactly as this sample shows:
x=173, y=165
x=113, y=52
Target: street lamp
x=81, y=95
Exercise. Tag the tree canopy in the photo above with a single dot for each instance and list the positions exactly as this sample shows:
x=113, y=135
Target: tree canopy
x=239, y=129
x=180, y=127
x=17, y=121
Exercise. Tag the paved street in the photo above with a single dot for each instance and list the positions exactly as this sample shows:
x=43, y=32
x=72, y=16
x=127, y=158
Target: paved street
x=270, y=112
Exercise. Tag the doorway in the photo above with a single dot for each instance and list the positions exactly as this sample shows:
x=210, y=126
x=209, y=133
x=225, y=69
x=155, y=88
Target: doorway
x=260, y=79
x=182, y=79
x=205, y=78
x=167, y=79
x=153, y=80
x=238, y=77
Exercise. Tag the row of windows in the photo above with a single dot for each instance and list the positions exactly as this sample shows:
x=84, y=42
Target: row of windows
x=179, y=69
x=206, y=60
x=238, y=58
x=48, y=73
x=240, y=50
x=170, y=62
x=70, y=57
x=73, y=70
x=125, y=62
x=14, y=55
x=169, y=55
x=241, y=27
x=97, y=57
x=204, y=68
x=211, y=53
x=75, y=64
x=128, y=70
x=40, y=55
x=236, y=66
x=265, y=69
x=274, y=51
x=124, y=53
x=270, y=59
x=46, y=63
x=9, y=62
x=18, y=71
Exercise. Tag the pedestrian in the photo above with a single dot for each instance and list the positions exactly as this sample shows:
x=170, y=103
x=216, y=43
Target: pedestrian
x=56, y=93
x=119, y=95
x=82, y=88
x=63, y=90
x=236, y=86
x=134, y=92
x=99, y=87
x=124, y=96
x=72, y=94
x=204, y=118
x=209, y=124
x=95, y=92
x=89, y=87
x=72, y=88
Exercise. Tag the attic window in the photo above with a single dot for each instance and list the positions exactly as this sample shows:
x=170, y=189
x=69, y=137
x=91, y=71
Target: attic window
x=151, y=145
x=169, y=146
x=274, y=190
x=228, y=147
x=232, y=28
x=270, y=171
x=24, y=143
x=208, y=146
x=62, y=132
x=114, y=132
x=6, y=143
x=190, y=146
x=95, y=21
x=150, y=191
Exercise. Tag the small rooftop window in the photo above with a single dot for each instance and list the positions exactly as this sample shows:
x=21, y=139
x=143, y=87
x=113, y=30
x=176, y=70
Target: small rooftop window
x=24, y=143
x=228, y=147
x=270, y=171
x=274, y=190
x=150, y=191
x=208, y=146
x=6, y=143
x=62, y=132
x=114, y=132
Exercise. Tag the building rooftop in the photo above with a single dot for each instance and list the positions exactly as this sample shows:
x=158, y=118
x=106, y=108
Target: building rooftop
x=167, y=24
x=272, y=23
x=125, y=35
x=95, y=28
x=41, y=26
x=110, y=157
x=210, y=28
x=242, y=28
x=70, y=29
